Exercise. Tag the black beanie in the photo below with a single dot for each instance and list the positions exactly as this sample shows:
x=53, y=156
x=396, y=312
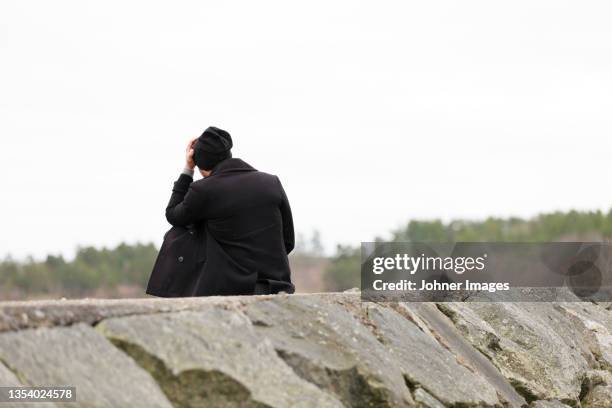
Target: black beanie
x=212, y=148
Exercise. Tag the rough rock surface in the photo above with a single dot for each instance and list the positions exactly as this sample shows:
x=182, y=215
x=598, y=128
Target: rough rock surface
x=432, y=321
x=328, y=346
x=540, y=348
x=212, y=357
x=80, y=357
x=318, y=350
x=549, y=404
x=428, y=365
x=599, y=397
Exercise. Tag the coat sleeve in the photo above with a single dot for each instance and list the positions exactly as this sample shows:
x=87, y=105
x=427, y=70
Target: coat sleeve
x=185, y=204
x=285, y=209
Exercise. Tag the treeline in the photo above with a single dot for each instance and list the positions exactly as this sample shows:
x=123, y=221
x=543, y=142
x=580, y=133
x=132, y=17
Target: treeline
x=91, y=272
x=343, y=271
x=124, y=270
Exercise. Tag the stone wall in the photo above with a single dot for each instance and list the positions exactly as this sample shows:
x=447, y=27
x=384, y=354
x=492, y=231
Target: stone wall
x=319, y=350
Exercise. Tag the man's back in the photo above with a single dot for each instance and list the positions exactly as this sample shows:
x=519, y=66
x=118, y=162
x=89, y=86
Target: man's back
x=247, y=222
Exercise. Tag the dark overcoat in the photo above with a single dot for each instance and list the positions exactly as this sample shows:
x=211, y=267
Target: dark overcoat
x=232, y=232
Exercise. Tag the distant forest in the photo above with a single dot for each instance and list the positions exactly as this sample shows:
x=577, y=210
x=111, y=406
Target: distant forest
x=343, y=269
x=123, y=271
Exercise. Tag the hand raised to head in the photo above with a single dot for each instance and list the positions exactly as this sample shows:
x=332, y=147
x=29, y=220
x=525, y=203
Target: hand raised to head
x=189, y=163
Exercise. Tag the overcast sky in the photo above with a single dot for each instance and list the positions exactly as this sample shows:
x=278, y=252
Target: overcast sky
x=371, y=113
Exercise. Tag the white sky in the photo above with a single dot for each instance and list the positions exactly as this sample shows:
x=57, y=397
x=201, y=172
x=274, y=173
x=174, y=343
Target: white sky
x=372, y=113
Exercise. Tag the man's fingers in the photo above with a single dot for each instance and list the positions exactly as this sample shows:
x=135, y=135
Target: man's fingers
x=191, y=143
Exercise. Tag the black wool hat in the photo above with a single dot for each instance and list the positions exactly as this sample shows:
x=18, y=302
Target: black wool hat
x=212, y=148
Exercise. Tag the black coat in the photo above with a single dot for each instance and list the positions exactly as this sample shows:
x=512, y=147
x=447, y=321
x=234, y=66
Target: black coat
x=232, y=233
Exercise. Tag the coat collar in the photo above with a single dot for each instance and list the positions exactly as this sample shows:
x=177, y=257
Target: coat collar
x=231, y=165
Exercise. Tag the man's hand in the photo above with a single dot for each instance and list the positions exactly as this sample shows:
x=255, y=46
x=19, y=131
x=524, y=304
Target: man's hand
x=189, y=163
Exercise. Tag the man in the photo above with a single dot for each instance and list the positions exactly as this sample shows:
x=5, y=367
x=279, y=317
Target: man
x=244, y=215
